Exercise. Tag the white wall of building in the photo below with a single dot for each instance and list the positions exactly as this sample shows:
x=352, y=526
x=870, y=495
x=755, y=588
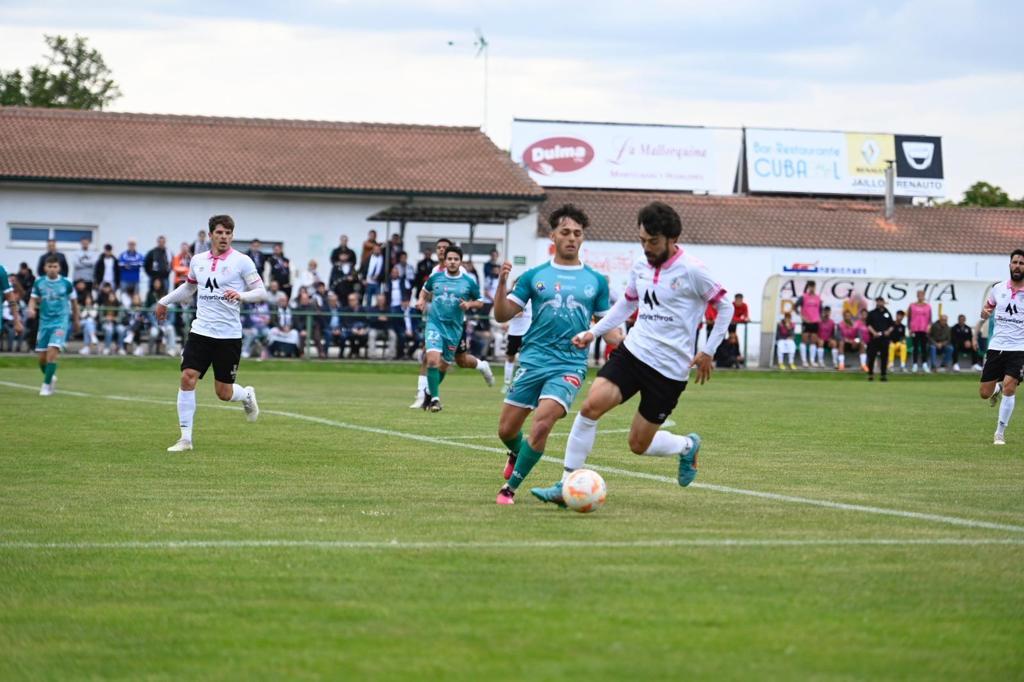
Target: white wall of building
x=309, y=225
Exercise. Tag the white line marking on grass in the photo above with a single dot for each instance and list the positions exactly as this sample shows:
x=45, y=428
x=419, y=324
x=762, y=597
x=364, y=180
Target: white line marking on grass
x=509, y=544
x=827, y=504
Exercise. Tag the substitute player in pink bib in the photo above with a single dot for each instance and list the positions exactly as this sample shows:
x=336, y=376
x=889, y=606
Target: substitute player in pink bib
x=808, y=307
x=671, y=289
x=1004, y=361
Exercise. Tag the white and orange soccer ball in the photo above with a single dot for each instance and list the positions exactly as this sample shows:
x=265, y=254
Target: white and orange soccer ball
x=584, y=491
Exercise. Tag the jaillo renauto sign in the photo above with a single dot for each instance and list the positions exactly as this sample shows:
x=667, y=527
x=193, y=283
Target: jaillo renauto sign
x=813, y=162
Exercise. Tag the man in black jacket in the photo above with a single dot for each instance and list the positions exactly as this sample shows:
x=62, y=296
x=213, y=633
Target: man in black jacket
x=157, y=263
x=880, y=327
x=51, y=249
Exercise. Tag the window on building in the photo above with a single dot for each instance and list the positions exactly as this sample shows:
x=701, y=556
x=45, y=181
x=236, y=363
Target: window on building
x=37, y=234
x=481, y=248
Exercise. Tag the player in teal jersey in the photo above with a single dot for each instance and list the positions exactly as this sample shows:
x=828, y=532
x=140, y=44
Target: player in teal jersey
x=566, y=295
x=450, y=293
x=7, y=292
x=54, y=296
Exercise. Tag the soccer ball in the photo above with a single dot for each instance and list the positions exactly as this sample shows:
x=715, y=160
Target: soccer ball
x=584, y=491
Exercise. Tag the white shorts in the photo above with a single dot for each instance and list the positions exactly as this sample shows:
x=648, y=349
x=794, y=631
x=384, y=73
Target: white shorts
x=786, y=345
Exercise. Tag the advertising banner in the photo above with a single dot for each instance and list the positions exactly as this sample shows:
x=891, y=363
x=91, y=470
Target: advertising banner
x=614, y=156
x=946, y=296
x=812, y=162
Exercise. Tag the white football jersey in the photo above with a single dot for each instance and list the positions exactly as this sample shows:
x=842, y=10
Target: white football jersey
x=217, y=317
x=520, y=324
x=672, y=300
x=1008, y=333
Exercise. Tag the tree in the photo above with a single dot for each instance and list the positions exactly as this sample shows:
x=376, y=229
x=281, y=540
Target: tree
x=985, y=194
x=75, y=77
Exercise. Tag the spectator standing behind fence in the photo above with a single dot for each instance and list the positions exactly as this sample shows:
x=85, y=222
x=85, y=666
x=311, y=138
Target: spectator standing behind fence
x=941, y=337
x=920, y=316
x=51, y=249
x=406, y=269
x=898, y=342
x=392, y=251
x=108, y=269
x=281, y=270
x=367, y=248
x=259, y=259
x=307, y=279
x=963, y=342
x=201, y=244
x=83, y=264
x=492, y=269
x=808, y=306
x=784, y=344
x=332, y=325
x=304, y=320
x=879, y=324
x=372, y=273
x=341, y=248
x=424, y=268
x=131, y=266
x=180, y=263
x=344, y=278
x=740, y=312
x=157, y=263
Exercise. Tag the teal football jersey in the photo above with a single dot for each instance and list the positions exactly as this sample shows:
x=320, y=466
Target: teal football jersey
x=448, y=292
x=565, y=298
x=54, y=299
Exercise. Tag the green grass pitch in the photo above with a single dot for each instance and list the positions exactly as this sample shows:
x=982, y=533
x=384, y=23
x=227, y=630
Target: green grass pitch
x=838, y=530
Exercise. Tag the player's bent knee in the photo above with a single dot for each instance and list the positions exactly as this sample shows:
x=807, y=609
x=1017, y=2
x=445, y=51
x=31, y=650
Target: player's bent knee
x=638, y=445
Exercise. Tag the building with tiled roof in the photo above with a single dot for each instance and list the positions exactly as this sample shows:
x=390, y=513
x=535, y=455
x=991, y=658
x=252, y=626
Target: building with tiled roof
x=67, y=174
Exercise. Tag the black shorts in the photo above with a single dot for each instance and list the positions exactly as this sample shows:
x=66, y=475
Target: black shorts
x=201, y=351
x=851, y=346
x=462, y=347
x=810, y=327
x=513, y=344
x=658, y=394
x=1003, y=363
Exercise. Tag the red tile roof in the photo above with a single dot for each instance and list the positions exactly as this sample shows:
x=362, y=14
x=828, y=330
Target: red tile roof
x=103, y=147
x=801, y=222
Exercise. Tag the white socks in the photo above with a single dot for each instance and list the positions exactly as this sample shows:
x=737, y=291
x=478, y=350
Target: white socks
x=864, y=358
x=580, y=443
x=667, y=444
x=1005, y=410
x=421, y=383
x=510, y=369
x=237, y=393
x=186, y=412
x=803, y=354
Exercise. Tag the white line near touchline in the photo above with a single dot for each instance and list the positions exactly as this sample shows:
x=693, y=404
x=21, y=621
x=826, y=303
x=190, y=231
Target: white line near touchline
x=509, y=544
x=826, y=504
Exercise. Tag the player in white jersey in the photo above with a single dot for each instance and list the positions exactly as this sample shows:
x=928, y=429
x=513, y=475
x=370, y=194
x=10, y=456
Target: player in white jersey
x=517, y=328
x=224, y=279
x=462, y=357
x=672, y=289
x=1004, y=361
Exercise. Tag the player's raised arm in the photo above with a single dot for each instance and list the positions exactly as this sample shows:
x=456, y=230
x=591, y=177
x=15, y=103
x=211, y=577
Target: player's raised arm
x=504, y=307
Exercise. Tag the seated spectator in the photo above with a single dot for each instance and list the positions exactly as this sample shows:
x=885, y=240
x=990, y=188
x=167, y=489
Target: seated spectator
x=355, y=331
x=963, y=343
x=89, y=317
x=8, y=330
x=256, y=328
x=941, y=338
x=728, y=354
x=305, y=315
x=160, y=332
x=307, y=280
x=109, y=309
x=827, y=334
x=851, y=341
x=283, y=338
x=382, y=333
x=331, y=325
x=784, y=343
x=135, y=320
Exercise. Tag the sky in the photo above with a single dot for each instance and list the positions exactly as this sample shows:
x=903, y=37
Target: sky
x=954, y=69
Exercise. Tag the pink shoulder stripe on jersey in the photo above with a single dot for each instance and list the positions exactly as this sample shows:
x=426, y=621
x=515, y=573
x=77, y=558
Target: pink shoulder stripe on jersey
x=717, y=293
x=191, y=281
x=631, y=297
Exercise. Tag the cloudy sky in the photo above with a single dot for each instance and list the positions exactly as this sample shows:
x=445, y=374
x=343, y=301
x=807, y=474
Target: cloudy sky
x=954, y=69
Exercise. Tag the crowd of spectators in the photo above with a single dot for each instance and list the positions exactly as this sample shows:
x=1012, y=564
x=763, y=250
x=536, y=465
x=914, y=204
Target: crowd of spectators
x=363, y=304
